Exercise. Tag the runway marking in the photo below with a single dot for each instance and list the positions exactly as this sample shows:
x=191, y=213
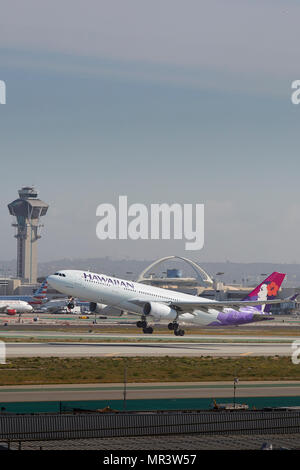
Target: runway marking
x=110, y=350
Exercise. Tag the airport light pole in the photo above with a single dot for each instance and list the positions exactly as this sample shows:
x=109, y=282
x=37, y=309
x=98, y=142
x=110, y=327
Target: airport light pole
x=235, y=382
x=125, y=387
x=217, y=292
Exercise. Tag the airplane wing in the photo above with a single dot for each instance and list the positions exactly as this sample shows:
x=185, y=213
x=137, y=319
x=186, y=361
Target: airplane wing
x=190, y=306
x=53, y=309
x=220, y=305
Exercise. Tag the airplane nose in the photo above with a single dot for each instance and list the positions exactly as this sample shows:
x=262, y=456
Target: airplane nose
x=52, y=280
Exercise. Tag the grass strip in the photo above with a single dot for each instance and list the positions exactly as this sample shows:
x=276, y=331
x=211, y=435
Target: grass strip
x=36, y=370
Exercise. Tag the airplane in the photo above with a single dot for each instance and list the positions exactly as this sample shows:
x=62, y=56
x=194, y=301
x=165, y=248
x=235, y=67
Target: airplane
x=68, y=305
x=155, y=303
x=37, y=298
x=11, y=307
x=55, y=305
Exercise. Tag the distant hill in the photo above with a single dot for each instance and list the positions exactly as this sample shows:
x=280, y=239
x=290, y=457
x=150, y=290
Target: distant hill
x=239, y=273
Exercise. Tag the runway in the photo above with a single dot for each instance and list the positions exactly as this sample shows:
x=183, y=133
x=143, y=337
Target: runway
x=183, y=349
x=150, y=391
x=168, y=337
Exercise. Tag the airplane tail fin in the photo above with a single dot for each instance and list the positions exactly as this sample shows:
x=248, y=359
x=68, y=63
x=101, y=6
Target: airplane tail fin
x=41, y=292
x=292, y=298
x=267, y=290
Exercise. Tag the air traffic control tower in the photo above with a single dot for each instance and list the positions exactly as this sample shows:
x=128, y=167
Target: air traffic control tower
x=27, y=210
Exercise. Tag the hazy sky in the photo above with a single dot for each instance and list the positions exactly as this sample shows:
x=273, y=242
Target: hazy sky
x=162, y=101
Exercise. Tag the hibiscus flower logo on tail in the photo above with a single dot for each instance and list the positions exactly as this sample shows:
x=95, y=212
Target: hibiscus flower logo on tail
x=273, y=288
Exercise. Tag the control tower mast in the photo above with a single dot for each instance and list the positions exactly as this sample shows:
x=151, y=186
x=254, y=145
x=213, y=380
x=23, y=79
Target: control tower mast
x=28, y=210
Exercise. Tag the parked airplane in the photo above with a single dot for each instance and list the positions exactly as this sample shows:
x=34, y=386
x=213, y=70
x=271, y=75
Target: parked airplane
x=68, y=305
x=37, y=298
x=161, y=304
x=11, y=307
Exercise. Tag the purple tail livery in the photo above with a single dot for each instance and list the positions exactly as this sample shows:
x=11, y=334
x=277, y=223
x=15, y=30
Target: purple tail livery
x=267, y=290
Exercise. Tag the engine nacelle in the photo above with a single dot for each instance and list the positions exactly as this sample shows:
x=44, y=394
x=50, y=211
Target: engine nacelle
x=158, y=310
x=96, y=308
x=11, y=311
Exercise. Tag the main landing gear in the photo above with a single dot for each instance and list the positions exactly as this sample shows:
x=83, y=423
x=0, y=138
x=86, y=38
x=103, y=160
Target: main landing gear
x=175, y=327
x=149, y=330
x=144, y=325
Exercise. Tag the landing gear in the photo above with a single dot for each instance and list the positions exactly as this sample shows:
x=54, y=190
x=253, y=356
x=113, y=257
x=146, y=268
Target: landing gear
x=179, y=332
x=148, y=330
x=175, y=327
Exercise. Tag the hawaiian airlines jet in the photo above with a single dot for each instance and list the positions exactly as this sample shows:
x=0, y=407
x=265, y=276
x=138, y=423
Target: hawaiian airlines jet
x=154, y=303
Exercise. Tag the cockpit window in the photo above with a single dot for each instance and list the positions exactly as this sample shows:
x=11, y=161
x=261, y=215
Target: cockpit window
x=60, y=274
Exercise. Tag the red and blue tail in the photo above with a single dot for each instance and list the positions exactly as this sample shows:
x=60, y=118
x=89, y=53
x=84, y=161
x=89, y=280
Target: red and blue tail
x=267, y=290
x=41, y=292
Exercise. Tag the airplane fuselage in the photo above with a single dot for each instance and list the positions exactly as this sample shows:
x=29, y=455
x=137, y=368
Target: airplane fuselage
x=25, y=298
x=130, y=296
x=15, y=306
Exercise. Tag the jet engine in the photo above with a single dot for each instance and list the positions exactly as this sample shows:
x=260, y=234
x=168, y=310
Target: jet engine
x=11, y=311
x=96, y=308
x=157, y=310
